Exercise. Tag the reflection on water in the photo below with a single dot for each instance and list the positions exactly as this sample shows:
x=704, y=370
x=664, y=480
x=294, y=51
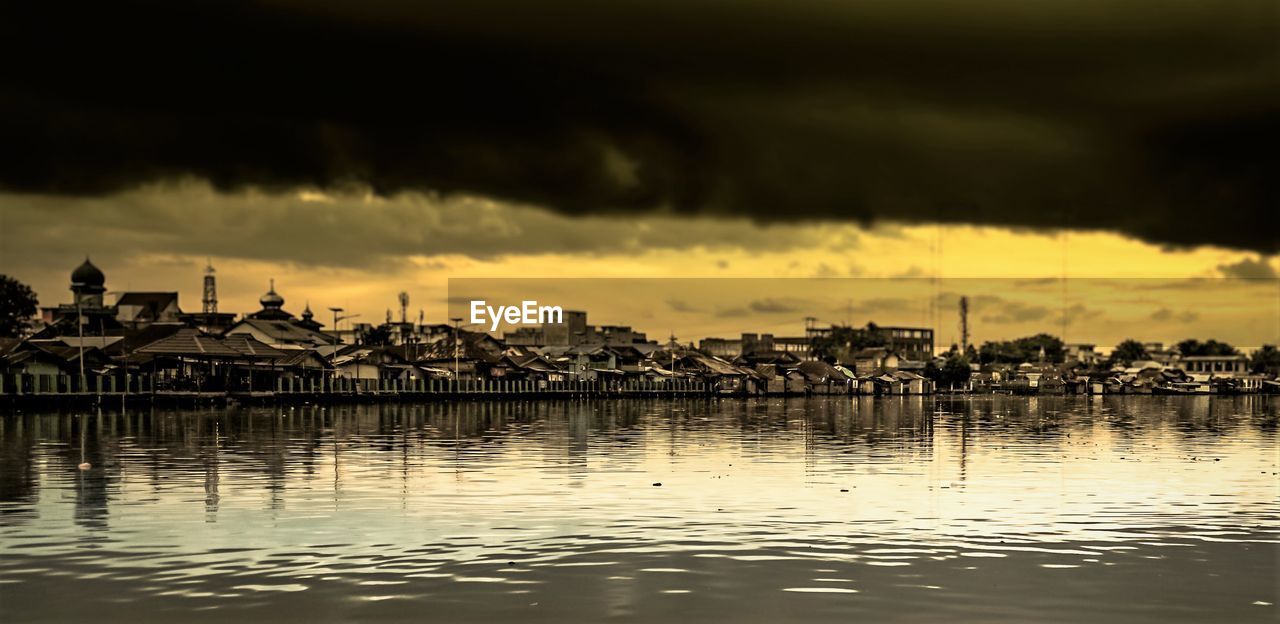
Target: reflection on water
x=909, y=509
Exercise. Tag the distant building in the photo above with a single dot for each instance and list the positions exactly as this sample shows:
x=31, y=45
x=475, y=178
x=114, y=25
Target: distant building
x=1217, y=365
x=727, y=348
x=572, y=332
x=1084, y=353
x=139, y=309
x=911, y=343
x=526, y=337
x=800, y=346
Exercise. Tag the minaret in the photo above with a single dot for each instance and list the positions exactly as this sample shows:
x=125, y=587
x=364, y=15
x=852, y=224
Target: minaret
x=210, y=290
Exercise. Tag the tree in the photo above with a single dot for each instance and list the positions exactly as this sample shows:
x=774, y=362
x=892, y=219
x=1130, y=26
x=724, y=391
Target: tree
x=1027, y=349
x=1193, y=347
x=1265, y=360
x=17, y=307
x=842, y=342
x=1129, y=351
x=956, y=371
x=379, y=336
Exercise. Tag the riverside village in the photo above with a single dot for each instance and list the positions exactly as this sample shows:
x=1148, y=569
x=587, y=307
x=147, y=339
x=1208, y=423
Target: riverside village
x=144, y=347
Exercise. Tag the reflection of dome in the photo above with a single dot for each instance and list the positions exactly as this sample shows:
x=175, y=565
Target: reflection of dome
x=271, y=299
x=87, y=275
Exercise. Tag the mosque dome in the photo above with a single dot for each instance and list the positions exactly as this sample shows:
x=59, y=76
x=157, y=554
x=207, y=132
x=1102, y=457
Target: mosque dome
x=271, y=299
x=87, y=275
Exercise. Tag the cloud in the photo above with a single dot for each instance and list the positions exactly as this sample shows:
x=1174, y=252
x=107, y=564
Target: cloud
x=343, y=230
x=1165, y=314
x=1249, y=268
x=1016, y=312
x=735, y=312
x=680, y=305
x=805, y=111
x=776, y=306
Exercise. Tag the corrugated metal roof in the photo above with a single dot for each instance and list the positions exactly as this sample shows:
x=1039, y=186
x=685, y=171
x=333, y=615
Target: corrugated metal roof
x=254, y=348
x=191, y=343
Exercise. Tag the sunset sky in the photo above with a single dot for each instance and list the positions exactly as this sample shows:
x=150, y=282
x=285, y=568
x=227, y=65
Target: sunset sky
x=354, y=151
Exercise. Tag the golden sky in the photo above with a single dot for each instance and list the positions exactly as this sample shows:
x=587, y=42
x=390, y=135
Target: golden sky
x=358, y=251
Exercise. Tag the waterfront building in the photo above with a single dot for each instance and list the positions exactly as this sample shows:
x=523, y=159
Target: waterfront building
x=875, y=360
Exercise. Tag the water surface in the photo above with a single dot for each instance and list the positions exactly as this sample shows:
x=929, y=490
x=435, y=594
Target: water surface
x=914, y=509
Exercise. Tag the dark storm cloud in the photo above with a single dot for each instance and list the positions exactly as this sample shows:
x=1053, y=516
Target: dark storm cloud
x=1153, y=119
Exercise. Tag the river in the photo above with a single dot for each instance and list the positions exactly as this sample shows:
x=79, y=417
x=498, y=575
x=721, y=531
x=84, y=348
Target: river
x=911, y=509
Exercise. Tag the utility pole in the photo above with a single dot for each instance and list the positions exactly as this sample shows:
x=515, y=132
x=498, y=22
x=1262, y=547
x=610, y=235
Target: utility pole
x=456, y=345
x=334, y=356
x=964, y=325
x=80, y=332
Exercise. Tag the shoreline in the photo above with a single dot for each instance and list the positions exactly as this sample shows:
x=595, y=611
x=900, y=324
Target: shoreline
x=16, y=404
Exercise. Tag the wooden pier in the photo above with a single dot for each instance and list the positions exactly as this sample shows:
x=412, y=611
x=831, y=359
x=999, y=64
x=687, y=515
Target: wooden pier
x=61, y=391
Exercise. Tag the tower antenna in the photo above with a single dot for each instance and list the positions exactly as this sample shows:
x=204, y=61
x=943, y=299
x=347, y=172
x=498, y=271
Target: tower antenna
x=210, y=298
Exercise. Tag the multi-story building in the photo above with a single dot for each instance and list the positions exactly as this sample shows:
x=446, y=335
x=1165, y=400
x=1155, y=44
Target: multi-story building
x=727, y=348
x=1217, y=365
x=800, y=346
x=910, y=343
